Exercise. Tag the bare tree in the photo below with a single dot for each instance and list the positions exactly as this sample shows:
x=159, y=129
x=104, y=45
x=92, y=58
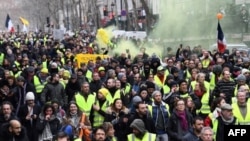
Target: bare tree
x=129, y=23
x=149, y=16
x=135, y=15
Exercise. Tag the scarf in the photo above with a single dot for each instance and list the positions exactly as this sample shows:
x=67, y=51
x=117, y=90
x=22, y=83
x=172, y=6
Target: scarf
x=216, y=112
x=227, y=122
x=46, y=134
x=183, y=120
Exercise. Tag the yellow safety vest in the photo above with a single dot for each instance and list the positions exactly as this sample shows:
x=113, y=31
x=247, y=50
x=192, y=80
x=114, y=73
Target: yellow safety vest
x=38, y=85
x=147, y=137
x=44, y=64
x=212, y=82
x=89, y=75
x=238, y=115
x=83, y=104
x=127, y=88
x=188, y=75
x=205, y=108
x=158, y=81
x=215, y=127
x=117, y=95
x=150, y=109
x=1, y=58
x=205, y=63
x=17, y=64
x=237, y=87
x=98, y=118
x=166, y=89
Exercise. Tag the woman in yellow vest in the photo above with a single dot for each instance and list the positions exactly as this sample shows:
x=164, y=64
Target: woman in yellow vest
x=201, y=88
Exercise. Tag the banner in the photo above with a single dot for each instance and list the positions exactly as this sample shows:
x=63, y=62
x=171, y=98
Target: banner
x=84, y=58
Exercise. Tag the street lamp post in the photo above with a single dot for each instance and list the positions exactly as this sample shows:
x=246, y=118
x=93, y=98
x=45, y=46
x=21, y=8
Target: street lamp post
x=80, y=12
x=67, y=9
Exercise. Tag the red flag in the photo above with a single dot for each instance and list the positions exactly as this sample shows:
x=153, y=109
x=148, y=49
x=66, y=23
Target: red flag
x=221, y=41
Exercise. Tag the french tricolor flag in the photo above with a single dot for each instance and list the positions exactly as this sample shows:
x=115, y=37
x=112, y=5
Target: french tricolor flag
x=8, y=24
x=221, y=41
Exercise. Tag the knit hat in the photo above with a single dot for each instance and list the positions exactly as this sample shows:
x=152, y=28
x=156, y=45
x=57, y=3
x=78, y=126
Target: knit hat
x=101, y=69
x=20, y=78
x=30, y=96
x=136, y=99
x=30, y=69
x=44, y=70
x=173, y=83
x=160, y=68
x=66, y=73
x=73, y=76
x=54, y=64
x=174, y=70
x=139, y=125
x=170, y=76
x=150, y=84
x=240, y=77
x=104, y=91
x=243, y=71
x=142, y=89
x=182, y=81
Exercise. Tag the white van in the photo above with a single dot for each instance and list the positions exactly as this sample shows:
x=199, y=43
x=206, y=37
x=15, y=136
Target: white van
x=230, y=47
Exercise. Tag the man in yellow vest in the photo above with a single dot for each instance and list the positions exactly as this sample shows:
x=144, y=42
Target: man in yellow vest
x=84, y=99
x=139, y=132
x=241, y=109
x=160, y=77
x=97, y=113
x=226, y=118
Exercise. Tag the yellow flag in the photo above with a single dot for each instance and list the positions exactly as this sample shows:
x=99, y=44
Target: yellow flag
x=24, y=21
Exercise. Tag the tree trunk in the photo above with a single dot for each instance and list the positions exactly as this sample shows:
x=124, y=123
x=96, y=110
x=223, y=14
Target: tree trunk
x=127, y=25
x=135, y=17
x=149, y=16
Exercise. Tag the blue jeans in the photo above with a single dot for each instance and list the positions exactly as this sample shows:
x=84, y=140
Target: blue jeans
x=162, y=137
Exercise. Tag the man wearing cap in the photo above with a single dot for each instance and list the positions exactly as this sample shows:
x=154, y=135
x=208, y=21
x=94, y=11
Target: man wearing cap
x=28, y=115
x=226, y=118
x=139, y=132
x=22, y=88
x=97, y=113
x=160, y=77
x=241, y=81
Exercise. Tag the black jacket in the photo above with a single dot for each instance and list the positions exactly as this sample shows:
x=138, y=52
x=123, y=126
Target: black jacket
x=6, y=135
x=23, y=112
x=148, y=122
x=174, y=126
x=190, y=136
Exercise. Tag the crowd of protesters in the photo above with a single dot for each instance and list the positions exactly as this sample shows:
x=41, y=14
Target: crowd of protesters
x=190, y=95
